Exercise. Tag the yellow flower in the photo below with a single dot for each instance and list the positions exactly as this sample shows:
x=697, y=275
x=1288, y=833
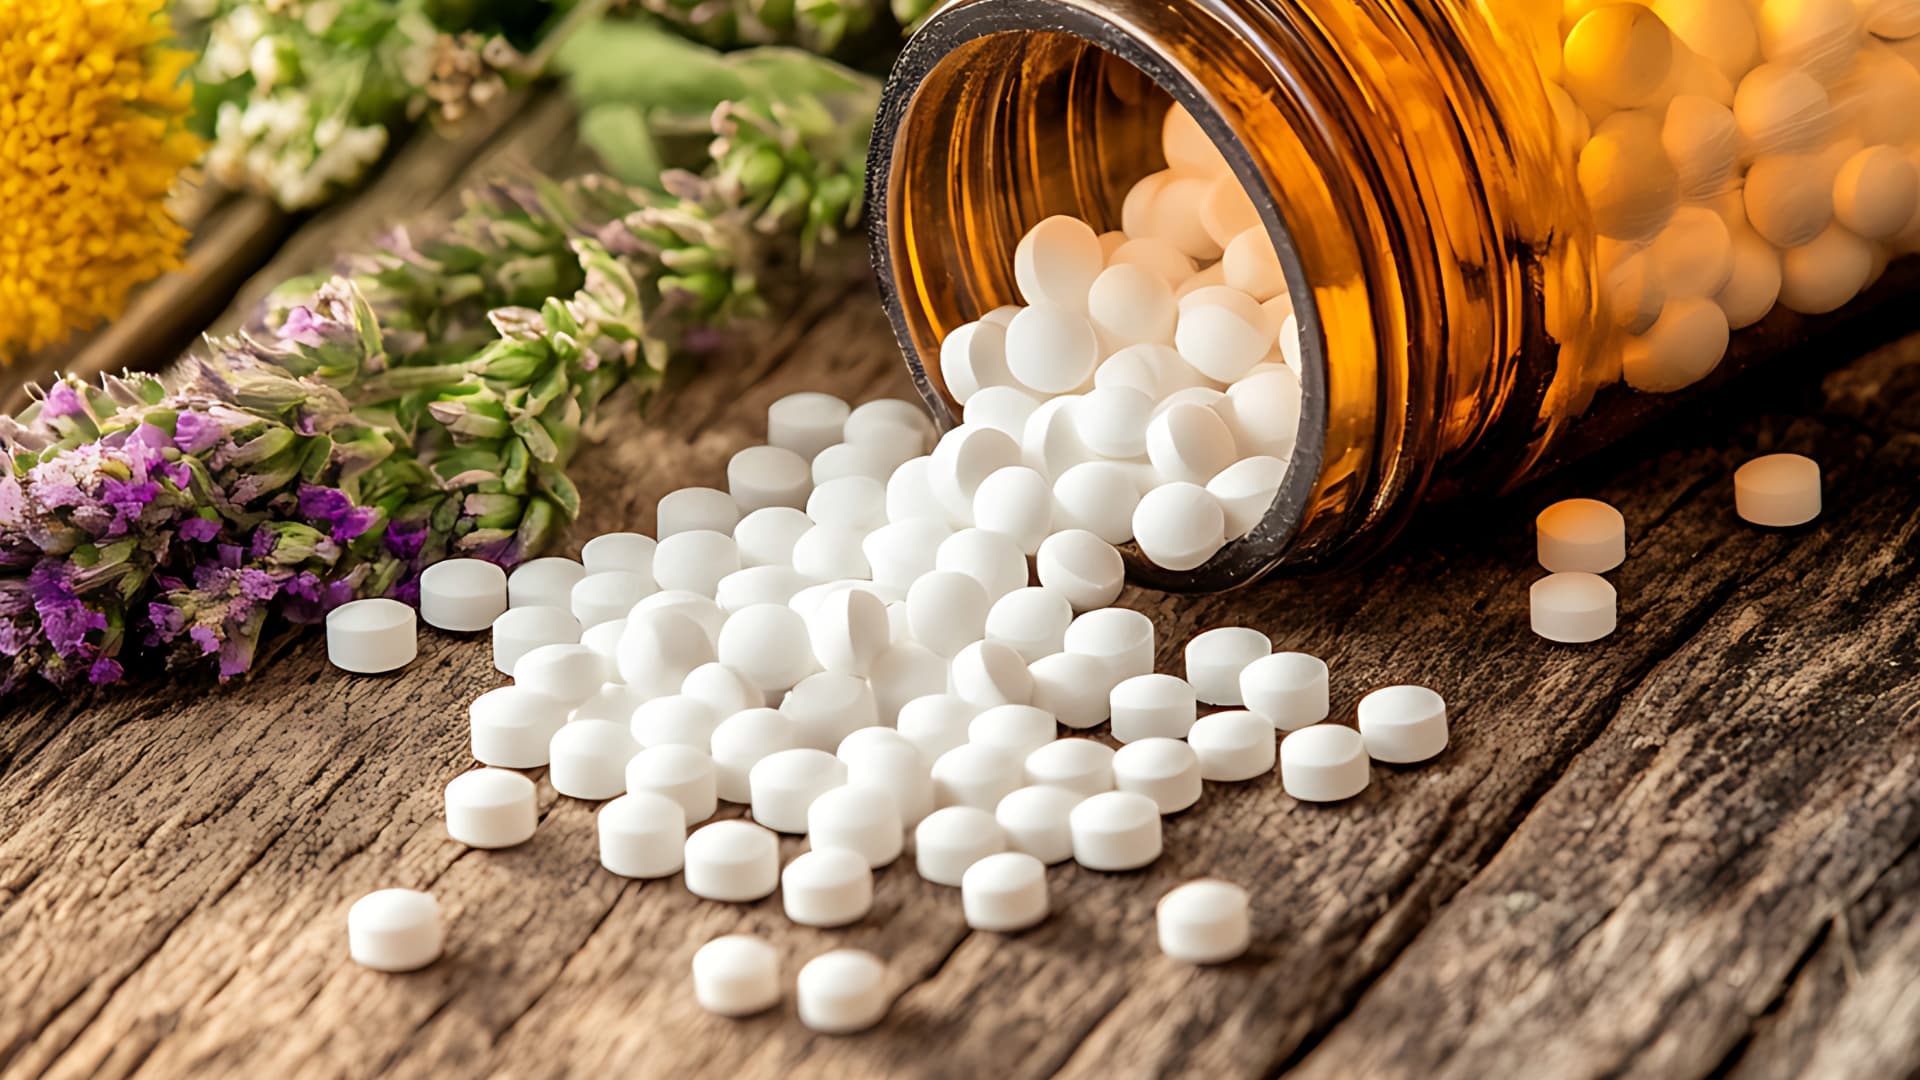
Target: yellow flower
x=92, y=134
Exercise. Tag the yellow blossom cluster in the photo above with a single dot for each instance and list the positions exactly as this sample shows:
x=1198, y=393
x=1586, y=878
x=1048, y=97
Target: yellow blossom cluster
x=92, y=135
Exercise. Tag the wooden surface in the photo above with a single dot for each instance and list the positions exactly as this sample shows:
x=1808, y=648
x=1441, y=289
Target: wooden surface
x=1688, y=850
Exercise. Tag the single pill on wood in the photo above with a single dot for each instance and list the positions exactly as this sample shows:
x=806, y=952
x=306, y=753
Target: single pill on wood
x=1081, y=766
x=491, y=808
x=974, y=774
x=785, y=783
x=1164, y=770
x=543, y=582
x=394, y=930
x=1005, y=892
x=628, y=551
x=1204, y=922
x=987, y=673
x=643, y=834
x=827, y=887
x=1216, y=658
x=1016, y=729
x=462, y=594
x=1777, y=490
x=565, y=672
x=732, y=861
x=1032, y=620
x=860, y=818
x=842, y=992
x=806, y=423
x=740, y=741
x=1233, y=745
x=696, y=560
x=681, y=773
x=1286, y=689
x=1323, y=763
x=1115, y=830
x=588, y=759
x=1035, y=821
x=763, y=476
x=371, y=636
x=675, y=720
x=1121, y=638
x=1403, y=724
x=1154, y=705
x=953, y=838
x=1572, y=607
x=1581, y=534
x=511, y=727
x=736, y=975
x=1082, y=567
x=608, y=596
x=1074, y=688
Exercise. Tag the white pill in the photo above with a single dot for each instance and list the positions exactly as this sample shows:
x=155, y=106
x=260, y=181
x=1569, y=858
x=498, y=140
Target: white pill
x=704, y=611
x=722, y=687
x=1187, y=145
x=1755, y=286
x=681, y=773
x=605, y=597
x=1323, y=763
x=1051, y=444
x=828, y=706
x=659, y=649
x=615, y=701
x=768, y=644
x=740, y=741
x=491, y=808
x=1018, y=730
x=947, y=611
x=862, y=819
x=1787, y=199
x=371, y=636
x=901, y=552
x=732, y=861
x=858, y=503
x=605, y=640
x=1098, y=497
x=1246, y=490
x=1115, y=830
x=695, y=560
x=848, y=630
x=974, y=356
x=1057, y=261
x=1190, y=443
x=1817, y=35
x=695, y=508
x=543, y=582
x=886, y=413
x=464, y=594
x=763, y=476
x=1164, y=770
x=1072, y=687
x=1032, y=620
x=987, y=673
x=588, y=759
x=1288, y=689
x=1404, y=724
x=1581, y=534
x=993, y=559
x=1777, y=490
x=827, y=887
x=1152, y=706
x=629, y=551
x=841, y=460
x=1222, y=341
x=1251, y=265
x=1216, y=658
x=1017, y=503
x=1702, y=140
x=1233, y=745
x=1131, y=368
x=736, y=975
x=1630, y=186
x=1120, y=638
x=1874, y=195
x=1684, y=346
x=519, y=631
x=642, y=835
x=758, y=585
x=1034, y=819
x=953, y=838
x=1153, y=253
x=1005, y=892
x=1082, y=766
x=1051, y=349
x=1132, y=303
x=1619, y=54
x=1112, y=421
x=675, y=720
x=512, y=726
x=569, y=673
x=897, y=769
x=1204, y=922
x=1082, y=567
x=830, y=553
x=1176, y=216
x=1003, y=408
x=1179, y=525
x=906, y=670
x=842, y=992
x=1694, y=253
x=1262, y=411
x=1826, y=272
x=785, y=783
x=974, y=774
x=936, y=723
x=806, y=423
x=394, y=930
x=910, y=493
x=859, y=740
x=962, y=459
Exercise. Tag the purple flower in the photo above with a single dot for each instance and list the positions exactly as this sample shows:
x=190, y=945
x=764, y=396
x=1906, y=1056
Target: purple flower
x=175, y=472
x=405, y=538
x=323, y=503
x=258, y=584
x=263, y=543
x=231, y=555
x=236, y=655
x=301, y=326
x=194, y=432
x=408, y=592
x=167, y=620
x=353, y=524
x=204, y=637
x=104, y=670
x=62, y=401
x=199, y=529
x=128, y=498
x=65, y=618
x=13, y=637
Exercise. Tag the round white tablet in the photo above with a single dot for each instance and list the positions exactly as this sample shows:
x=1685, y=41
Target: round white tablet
x=1572, y=607
x=692, y=509
x=1164, y=770
x=807, y=422
x=1323, y=763
x=1051, y=349
x=681, y=773
x=394, y=930
x=974, y=774
x=511, y=727
x=1778, y=490
x=859, y=818
x=1287, y=689
x=827, y=887
x=1179, y=525
x=901, y=552
x=827, y=706
x=703, y=610
x=491, y=808
x=1098, y=497
x=953, y=838
x=1216, y=658
x=987, y=673
x=1246, y=490
x=462, y=594
x=1035, y=821
x=768, y=644
x=1017, y=503
x=936, y=723
x=1005, y=892
x=725, y=689
x=569, y=673
x=628, y=551
x=605, y=597
x=905, y=671
x=993, y=559
x=1581, y=534
x=736, y=975
x=371, y=636
x=1154, y=705
x=785, y=783
x=1082, y=766
x=1082, y=567
x=842, y=992
x=766, y=536
x=615, y=701
x=897, y=770
x=1016, y=729
x=962, y=459
x=1121, y=638
x=1233, y=745
x=1403, y=724
x=758, y=585
x=547, y=582
x=740, y=742
x=763, y=476
x=732, y=861
x=675, y=720
x=1072, y=687
x=1204, y=922
x=659, y=649
x=848, y=630
x=695, y=560
x=1032, y=620
x=588, y=759
x=1057, y=261
x=1115, y=830
x=643, y=834
x=947, y=611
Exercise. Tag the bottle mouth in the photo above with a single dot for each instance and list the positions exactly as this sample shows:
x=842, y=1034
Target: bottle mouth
x=1022, y=111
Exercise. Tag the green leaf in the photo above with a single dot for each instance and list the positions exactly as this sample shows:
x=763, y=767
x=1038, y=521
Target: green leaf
x=635, y=63
x=618, y=132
